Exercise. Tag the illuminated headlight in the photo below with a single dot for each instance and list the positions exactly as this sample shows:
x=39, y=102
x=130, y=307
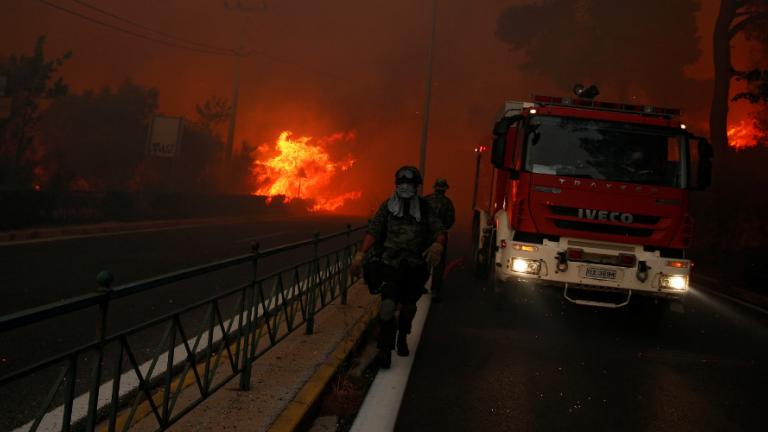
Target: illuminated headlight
x=521, y=265
x=674, y=282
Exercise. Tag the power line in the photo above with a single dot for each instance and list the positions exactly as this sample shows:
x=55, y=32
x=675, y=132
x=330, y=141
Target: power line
x=133, y=33
x=201, y=49
x=150, y=29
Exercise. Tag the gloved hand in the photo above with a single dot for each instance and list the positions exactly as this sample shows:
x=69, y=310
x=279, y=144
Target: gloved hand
x=357, y=264
x=434, y=254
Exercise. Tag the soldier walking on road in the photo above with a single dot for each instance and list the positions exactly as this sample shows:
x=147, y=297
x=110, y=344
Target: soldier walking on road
x=404, y=238
x=442, y=206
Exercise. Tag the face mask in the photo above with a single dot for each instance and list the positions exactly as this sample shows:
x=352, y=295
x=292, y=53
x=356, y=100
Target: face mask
x=406, y=190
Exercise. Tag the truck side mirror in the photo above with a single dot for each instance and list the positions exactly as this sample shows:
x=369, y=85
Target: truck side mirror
x=705, y=165
x=504, y=139
x=700, y=156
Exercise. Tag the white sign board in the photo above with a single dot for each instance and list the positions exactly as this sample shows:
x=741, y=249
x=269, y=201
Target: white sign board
x=164, y=136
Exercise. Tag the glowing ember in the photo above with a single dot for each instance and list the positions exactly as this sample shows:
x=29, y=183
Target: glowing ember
x=743, y=135
x=303, y=169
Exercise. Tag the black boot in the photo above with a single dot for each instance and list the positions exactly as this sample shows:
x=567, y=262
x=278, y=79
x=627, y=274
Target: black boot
x=384, y=358
x=402, y=345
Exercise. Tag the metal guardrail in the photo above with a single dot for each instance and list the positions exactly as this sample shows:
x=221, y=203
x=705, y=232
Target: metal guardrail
x=266, y=309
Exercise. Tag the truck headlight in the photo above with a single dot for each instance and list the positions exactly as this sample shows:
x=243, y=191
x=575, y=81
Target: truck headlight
x=522, y=265
x=674, y=282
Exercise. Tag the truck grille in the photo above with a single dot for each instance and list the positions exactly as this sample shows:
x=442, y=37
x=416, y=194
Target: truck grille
x=622, y=230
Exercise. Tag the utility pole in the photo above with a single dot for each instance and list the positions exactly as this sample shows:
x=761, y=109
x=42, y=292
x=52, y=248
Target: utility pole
x=427, y=97
x=242, y=9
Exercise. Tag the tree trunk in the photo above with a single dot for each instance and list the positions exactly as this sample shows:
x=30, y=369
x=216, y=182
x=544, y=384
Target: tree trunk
x=718, y=114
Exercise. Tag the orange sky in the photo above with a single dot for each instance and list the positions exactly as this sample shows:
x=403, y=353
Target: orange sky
x=343, y=65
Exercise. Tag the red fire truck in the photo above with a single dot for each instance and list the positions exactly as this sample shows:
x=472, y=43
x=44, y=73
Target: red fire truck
x=590, y=197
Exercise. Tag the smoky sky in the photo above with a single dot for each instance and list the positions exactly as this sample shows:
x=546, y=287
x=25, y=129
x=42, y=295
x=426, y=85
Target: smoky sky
x=637, y=51
x=349, y=65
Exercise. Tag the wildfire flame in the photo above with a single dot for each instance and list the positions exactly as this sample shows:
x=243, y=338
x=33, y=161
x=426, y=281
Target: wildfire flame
x=742, y=135
x=303, y=169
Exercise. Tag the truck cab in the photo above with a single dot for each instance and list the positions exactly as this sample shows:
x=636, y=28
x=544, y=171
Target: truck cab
x=589, y=197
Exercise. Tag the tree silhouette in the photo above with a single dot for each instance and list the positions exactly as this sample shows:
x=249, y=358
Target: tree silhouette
x=214, y=112
x=99, y=137
x=30, y=81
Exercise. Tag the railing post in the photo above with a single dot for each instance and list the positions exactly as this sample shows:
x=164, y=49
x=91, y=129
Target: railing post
x=344, y=268
x=104, y=279
x=314, y=273
x=248, y=306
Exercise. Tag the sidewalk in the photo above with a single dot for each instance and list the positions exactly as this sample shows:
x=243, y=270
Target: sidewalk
x=287, y=380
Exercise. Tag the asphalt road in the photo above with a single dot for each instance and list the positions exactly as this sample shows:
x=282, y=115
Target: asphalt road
x=33, y=274
x=38, y=273
x=536, y=362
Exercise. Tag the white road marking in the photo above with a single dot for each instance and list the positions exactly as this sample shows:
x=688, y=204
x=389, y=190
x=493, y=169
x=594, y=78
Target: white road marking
x=382, y=403
x=116, y=233
x=733, y=299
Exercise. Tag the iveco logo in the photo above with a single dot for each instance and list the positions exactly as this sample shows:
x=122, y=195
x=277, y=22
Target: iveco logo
x=605, y=215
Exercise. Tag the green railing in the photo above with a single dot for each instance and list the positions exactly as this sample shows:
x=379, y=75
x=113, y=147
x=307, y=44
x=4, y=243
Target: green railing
x=111, y=380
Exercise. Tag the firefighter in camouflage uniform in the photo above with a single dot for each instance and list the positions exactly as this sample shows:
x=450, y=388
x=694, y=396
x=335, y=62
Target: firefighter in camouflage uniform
x=442, y=206
x=404, y=239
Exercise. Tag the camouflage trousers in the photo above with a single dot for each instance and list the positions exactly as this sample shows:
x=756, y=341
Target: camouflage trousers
x=403, y=286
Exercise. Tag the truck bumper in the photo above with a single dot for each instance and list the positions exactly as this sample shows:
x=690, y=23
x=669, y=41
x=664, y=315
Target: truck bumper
x=596, y=269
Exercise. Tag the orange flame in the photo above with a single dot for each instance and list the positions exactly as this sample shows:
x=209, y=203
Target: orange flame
x=742, y=135
x=305, y=170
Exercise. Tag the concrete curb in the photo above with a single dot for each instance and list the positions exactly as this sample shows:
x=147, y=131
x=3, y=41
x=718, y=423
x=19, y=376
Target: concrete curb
x=305, y=399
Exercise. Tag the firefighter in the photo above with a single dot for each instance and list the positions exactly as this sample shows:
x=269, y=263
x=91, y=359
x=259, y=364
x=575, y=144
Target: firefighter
x=442, y=206
x=403, y=240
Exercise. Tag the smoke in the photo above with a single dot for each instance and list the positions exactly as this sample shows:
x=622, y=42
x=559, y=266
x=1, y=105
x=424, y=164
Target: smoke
x=633, y=51
x=347, y=65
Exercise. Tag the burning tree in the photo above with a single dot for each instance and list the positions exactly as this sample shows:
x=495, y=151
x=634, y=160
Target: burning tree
x=736, y=17
x=301, y=169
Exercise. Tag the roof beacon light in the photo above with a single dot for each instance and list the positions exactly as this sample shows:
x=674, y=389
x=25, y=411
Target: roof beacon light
x=590, y=92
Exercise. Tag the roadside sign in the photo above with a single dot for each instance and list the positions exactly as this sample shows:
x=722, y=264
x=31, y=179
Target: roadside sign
x=164, y=138
x=5, y=107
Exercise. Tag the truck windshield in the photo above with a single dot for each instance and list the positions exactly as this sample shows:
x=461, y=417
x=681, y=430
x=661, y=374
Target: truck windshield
x=602, y=150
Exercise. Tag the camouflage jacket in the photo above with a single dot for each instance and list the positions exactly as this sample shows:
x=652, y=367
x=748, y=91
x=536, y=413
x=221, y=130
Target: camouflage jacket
x=403, y=238
x=442, y=206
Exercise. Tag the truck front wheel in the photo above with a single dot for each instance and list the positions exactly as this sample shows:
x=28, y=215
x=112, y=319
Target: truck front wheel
x=478, y=261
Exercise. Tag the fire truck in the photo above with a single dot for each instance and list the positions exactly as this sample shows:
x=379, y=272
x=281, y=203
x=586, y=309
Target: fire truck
x=590, y=197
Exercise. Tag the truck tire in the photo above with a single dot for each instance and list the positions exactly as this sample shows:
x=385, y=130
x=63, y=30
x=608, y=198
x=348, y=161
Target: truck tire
x=489, y=251
x=477, y=257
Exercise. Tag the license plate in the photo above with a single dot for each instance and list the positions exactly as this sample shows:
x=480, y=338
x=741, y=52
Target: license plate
x=601, y=273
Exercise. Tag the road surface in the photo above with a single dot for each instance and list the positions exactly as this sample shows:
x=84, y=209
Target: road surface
x=537, y=362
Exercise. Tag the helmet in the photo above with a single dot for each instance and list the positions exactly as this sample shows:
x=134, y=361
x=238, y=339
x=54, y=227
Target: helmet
x=441, y=184
x=408, y=174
